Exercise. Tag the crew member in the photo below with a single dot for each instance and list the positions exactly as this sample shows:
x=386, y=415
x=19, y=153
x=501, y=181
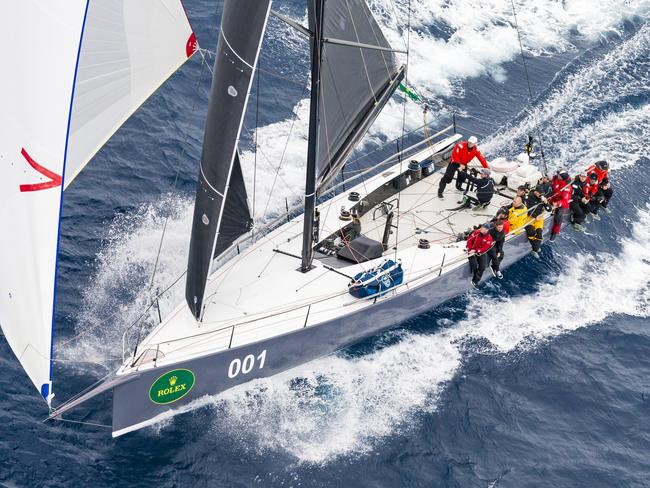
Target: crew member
x=607, y=194
x=485, y=188
x=594, y=193
x=518, y=214
x=545, y=187
x=461, y=155
x=579, y=201
x=495, y=254
x=535, y=201
x=601, y=168
x=534, y=232
x=478, y=244
x=521, y=192
x=560, y=199
x=502, y=215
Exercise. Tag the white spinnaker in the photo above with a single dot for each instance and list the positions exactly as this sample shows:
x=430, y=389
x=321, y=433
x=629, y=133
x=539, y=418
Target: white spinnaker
x=130, y=47
x=44, y=129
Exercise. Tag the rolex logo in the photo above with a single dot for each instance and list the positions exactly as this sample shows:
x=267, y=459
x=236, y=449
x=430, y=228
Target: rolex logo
x=171, y=386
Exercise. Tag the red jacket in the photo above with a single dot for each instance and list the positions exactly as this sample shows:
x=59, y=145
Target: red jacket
x=562, y=192
x=601, y=173
x=463, y=154
x=478, y=242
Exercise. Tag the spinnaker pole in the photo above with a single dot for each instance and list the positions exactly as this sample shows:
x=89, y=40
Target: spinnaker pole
x=312, y=150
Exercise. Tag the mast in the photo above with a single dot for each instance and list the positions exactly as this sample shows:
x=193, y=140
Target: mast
x=310, y=182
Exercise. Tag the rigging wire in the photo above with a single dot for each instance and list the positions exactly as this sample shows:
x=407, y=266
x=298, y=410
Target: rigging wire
x=372, y=23
x=401, y=142
x=530, y=90
x=199, y=82
x=284, y=151
x=92, y=424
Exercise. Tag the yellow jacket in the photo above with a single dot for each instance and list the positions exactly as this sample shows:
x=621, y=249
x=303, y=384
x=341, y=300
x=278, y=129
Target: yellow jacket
x=538, y=223
x=518, y=217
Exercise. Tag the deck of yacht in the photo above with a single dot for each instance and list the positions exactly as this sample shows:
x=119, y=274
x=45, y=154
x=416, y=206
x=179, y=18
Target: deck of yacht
x=261, y=293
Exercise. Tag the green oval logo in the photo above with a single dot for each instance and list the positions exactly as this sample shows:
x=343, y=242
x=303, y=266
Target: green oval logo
x=171, y=386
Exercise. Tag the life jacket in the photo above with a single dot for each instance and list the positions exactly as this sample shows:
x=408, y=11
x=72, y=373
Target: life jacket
x=518, y=217
x=538, y=223
x=463, y=155
x=479, y=242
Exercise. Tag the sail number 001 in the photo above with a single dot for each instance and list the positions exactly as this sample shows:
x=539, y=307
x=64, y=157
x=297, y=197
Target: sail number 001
x=246, y=365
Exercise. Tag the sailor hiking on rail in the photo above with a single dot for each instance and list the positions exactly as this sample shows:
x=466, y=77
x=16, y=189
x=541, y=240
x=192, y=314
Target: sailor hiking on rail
x=462, y=154
x=495, y=254
x=561, y=200
x=478, y=245
x=579, y=197
x=579, y=202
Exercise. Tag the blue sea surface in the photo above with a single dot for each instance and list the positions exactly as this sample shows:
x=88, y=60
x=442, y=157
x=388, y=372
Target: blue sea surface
x=542, y=379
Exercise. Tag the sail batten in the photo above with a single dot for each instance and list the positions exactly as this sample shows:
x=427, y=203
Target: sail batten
x=221, y=212
x=56, y=114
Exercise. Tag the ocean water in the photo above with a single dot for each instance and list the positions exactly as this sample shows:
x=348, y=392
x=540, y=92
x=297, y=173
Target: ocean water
x=542, y=379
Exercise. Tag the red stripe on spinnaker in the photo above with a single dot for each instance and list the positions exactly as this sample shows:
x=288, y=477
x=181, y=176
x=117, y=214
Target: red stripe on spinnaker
x=55, y=180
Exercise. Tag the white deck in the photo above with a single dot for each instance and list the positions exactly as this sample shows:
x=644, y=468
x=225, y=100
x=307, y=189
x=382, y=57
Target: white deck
x=261, y=293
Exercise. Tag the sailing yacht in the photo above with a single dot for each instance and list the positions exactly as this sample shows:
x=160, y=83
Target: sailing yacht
x=258, y=300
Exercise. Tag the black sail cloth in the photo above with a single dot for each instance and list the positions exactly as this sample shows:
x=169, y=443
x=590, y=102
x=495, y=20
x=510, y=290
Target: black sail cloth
x=221, y=212
x=356, y=82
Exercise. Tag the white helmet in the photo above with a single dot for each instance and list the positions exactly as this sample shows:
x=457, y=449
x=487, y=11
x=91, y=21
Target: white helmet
x=473, y=140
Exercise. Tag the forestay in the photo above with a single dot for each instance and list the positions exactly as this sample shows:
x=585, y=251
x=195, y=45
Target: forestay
x=80, y=68
x=221, y=212
x=356, y=82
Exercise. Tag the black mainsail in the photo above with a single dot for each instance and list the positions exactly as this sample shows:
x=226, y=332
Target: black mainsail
x=359, y=73
x=354, y=74
x=221, y=212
